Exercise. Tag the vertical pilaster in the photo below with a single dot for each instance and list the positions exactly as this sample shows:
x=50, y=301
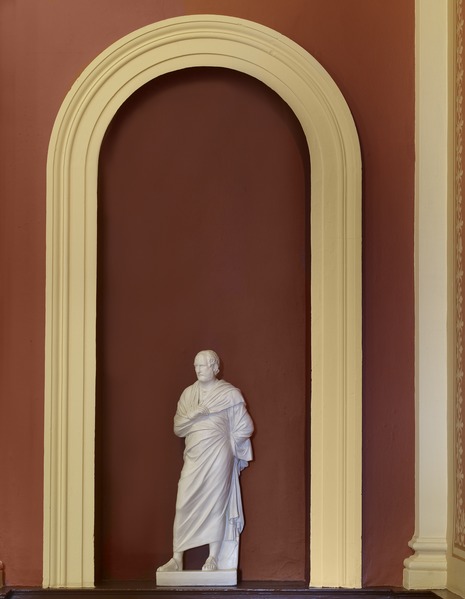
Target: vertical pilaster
x=427, y=567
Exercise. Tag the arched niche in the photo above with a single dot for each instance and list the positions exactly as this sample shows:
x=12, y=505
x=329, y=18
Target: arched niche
x=72, y=168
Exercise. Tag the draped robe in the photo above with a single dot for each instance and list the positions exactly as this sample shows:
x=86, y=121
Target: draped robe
x=217, y=448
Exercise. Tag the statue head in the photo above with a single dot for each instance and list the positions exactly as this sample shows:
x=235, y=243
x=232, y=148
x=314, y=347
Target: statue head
x=210, y=358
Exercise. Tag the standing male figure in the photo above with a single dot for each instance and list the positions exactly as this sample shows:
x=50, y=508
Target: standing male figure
x=213, y=418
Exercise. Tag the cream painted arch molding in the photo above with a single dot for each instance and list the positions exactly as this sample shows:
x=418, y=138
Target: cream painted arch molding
x=217, y=41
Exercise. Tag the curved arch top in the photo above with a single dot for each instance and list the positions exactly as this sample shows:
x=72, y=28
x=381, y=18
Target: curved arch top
x=163, y=47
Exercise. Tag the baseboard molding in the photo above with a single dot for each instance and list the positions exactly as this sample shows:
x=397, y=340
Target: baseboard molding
x=241, y=591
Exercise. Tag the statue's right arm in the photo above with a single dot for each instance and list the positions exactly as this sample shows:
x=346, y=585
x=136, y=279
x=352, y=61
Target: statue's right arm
x=181, y=424
x=184, y=420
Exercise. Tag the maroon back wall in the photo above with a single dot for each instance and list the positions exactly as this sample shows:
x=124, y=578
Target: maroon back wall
x=367, y=46
x=203, y=243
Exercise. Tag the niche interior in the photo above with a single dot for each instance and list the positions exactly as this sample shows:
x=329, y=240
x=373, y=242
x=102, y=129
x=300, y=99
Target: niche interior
x=203, y=241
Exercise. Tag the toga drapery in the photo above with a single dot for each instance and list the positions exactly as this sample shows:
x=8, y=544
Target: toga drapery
x=208, y=505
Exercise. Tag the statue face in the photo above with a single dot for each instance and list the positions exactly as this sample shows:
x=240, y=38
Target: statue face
x=203, y=370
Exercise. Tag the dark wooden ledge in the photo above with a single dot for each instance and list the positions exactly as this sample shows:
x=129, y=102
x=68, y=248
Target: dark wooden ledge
x=244, y=590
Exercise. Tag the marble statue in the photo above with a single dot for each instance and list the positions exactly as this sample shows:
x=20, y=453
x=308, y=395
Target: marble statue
x=212, y=417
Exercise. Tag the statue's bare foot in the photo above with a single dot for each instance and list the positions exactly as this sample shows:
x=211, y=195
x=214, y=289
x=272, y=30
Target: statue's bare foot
x=172, y=566
x=210, y=564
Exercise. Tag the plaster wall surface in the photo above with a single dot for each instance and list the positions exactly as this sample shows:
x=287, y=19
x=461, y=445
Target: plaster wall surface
x=368, y=48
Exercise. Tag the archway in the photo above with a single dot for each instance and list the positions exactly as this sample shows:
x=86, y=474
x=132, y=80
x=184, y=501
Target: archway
x=286, y=68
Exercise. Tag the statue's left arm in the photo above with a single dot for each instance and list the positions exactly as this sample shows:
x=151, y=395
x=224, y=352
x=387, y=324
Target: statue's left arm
x=241, y=431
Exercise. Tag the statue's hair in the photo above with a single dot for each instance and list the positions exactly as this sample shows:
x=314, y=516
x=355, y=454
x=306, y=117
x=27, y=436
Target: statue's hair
x=212, y=359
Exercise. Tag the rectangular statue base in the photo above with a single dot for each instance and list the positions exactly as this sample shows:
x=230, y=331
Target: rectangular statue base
x=197, y=578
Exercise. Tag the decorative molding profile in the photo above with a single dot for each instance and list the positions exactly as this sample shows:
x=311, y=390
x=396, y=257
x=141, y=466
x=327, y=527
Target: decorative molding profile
x=459, y=484
x=217, y=41
x=427, y=567
x=456, y=555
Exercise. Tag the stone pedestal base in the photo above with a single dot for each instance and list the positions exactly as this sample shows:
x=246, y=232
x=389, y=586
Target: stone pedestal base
x=197, y=578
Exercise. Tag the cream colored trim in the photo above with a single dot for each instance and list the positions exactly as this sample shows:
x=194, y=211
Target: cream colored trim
x=427, y=568
x=336, y=281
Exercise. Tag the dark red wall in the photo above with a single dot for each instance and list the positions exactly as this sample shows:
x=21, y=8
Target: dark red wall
x=368, y=48
x=203, y=243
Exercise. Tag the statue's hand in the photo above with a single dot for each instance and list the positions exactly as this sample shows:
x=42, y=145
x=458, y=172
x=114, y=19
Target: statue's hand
x=200, y=411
